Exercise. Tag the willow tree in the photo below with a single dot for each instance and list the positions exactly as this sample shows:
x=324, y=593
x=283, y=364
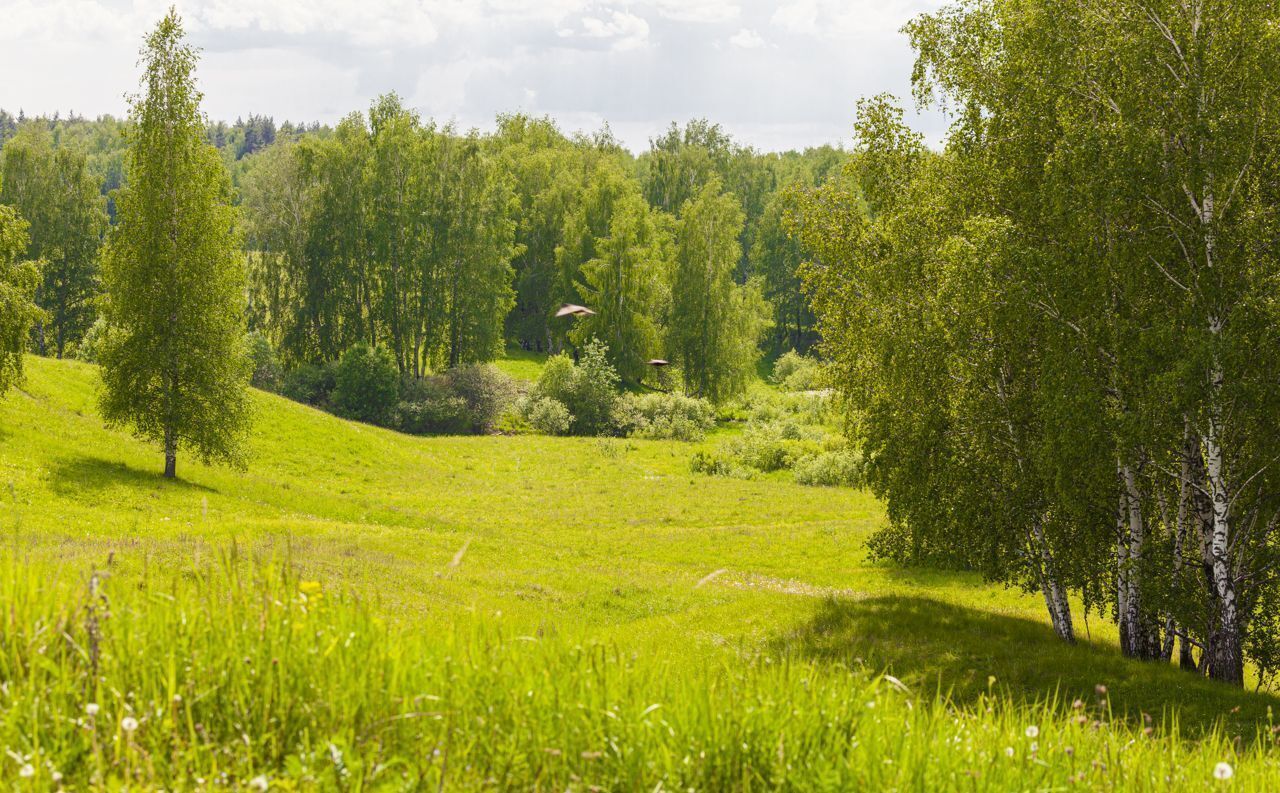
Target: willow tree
x=175, y=368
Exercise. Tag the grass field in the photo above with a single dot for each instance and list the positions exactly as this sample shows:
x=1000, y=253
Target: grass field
x=365, y=610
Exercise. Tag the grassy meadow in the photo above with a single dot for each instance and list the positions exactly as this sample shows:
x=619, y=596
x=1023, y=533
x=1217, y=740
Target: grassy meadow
x=362, y=610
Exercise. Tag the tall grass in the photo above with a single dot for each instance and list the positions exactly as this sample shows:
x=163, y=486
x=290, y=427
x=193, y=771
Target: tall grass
x=239, y=675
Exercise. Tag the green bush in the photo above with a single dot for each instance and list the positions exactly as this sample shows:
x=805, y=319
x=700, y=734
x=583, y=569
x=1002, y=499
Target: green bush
x=830, y=469
x=796, y=372
x=92, y=342
x=588, y=389
x=366, y=385
x=719, y=464
x=429, y=407
x=310, y=384
x=262, y=358
x=665, y=416
x=548, y=416
x=486, y=390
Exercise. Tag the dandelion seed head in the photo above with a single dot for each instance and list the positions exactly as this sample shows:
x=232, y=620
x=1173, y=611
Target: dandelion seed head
x=27, y=771
x=1032, y=731
x=128, y=724
x=1223, y=771
x=91, y=709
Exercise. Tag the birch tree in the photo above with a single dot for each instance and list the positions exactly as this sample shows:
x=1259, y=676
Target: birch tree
x=175, y=368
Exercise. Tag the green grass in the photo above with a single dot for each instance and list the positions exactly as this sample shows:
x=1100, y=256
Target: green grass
x=507, y=611
x=522, y=364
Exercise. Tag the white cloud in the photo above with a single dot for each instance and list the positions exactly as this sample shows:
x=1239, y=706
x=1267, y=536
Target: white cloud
x=843, y=19
x=746, y=39
x=698, y=10
x=627, y=31
x=759, y=67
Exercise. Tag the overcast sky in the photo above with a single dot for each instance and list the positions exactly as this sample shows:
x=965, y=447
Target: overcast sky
x=775, y=75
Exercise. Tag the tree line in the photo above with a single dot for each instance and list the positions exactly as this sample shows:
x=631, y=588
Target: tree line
x=1059, y=334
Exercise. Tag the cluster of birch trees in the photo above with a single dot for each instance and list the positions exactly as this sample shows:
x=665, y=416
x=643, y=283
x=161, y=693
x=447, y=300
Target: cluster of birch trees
x=1060, y=335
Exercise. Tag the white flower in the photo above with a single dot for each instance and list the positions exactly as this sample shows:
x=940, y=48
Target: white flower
x=1033, y=731
x=1223, y=771
x=91, y=709
x=27, y=771
x=259, y=782
x=128, y=724
x=1008, y=751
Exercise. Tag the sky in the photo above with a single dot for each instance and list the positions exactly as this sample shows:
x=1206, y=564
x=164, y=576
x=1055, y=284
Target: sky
x=776, y=76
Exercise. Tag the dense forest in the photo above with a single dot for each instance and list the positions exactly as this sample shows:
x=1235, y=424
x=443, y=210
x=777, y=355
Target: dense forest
x=443, y=246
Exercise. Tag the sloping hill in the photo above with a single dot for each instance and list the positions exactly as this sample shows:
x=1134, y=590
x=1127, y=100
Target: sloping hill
x=586, y=540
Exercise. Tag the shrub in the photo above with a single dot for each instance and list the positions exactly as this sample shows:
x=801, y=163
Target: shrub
x=486, y=390
x=796, y=372
x=262, y=359
x=588, y=389
x=91, y=344
x=310, y=384
x=429, y=407
x=366, y=385
x=548, y=416
x=665, y=416
x=830, y=469
x=715, y=464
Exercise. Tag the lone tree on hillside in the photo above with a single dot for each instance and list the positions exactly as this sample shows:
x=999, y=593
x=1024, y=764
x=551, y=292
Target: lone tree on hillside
x=174, y=363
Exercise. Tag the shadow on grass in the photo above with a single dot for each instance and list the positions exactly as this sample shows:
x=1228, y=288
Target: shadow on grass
x=932, y=645
x=93, y=473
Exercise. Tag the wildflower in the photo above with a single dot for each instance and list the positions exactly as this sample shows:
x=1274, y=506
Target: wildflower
x=1033, y=731
x=1078, y=704
x=128, y=724
x=91, y=709
x=259, y=782
x=1035, y=747
x=27, y=771
x=1100, y=689
x=309, y=587
x=1223, y=771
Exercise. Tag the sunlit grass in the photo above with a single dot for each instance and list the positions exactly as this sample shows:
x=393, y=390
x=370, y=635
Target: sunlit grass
x=521, y=604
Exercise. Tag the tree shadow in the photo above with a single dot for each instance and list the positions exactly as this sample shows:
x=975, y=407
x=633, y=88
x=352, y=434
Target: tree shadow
x=82, y=474
x=933, y=645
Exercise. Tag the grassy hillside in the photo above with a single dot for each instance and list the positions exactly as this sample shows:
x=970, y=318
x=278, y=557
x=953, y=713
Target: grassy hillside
x=548, y=612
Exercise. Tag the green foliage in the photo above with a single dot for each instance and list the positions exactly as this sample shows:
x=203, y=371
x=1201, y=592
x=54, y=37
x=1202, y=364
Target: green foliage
x=264, y=367
x=388, y=230
x=841, y=468
x=589, y=388
x=366, y=385
x=716, y=324
x=430, y=407
x=54, y=191
x=310, y=384
x=485, y=391
x=548, y=415
x=626, y=283
x=174, y=368
x=94, y=339
x=665, y=417
x=795, y=372
x=18, y=311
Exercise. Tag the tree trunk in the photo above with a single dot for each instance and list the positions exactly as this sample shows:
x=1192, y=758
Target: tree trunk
x=170, y=454
x=1055, y=595
x=1225, y=660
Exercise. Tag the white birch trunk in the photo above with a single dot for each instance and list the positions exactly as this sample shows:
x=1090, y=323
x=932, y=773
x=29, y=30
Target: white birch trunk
x=1055, y=595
